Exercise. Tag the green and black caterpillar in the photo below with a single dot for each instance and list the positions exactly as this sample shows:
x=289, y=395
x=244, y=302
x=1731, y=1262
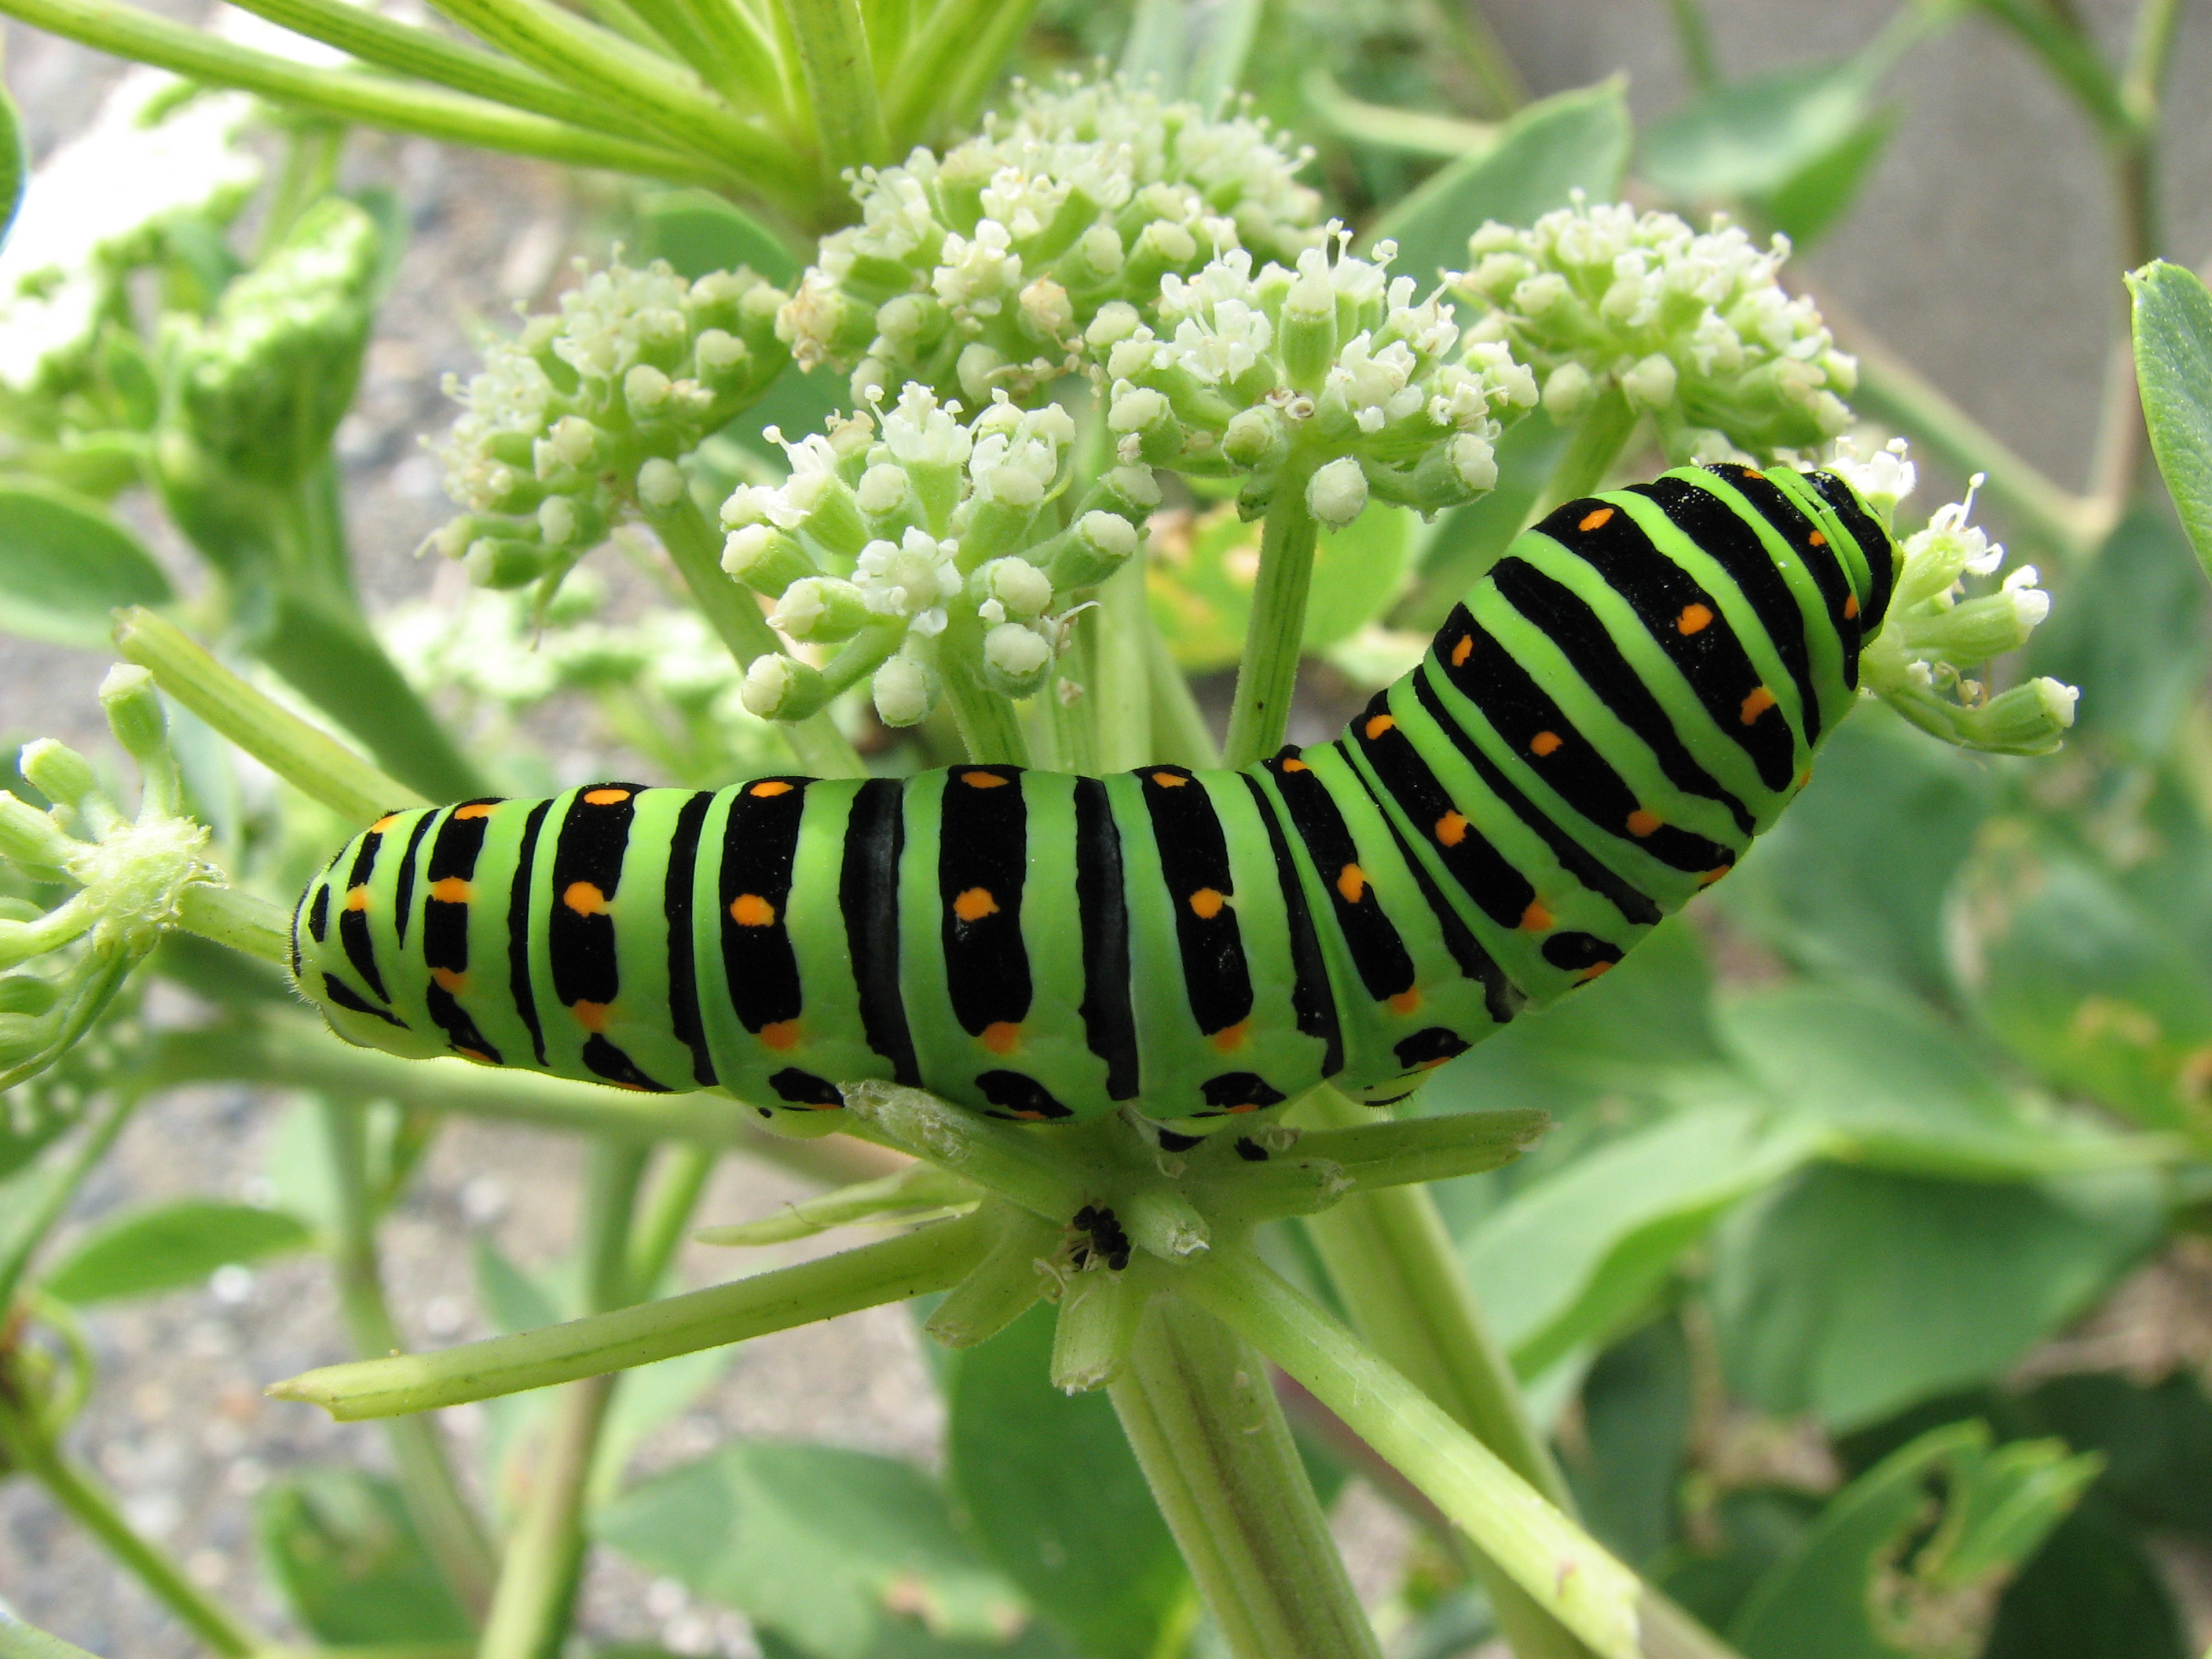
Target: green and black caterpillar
x=1630, y=694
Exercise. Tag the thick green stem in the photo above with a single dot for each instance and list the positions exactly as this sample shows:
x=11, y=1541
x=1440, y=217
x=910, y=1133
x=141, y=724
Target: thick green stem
x=1268, y=675
x=933, y=1258
x=448, y=1527
x=1599, y=436
x=677, y=1182
x=989, y=726
x=840, y=81
x=543, y=1561
x=375, y=100
x=1179, y=729
x=696, y=552
x=1121, y=690
x=1565, y=1570
x=246, y=923
x=1395, y=1270
x=1196, y=1405
x=311, y=761
x=76, y=1491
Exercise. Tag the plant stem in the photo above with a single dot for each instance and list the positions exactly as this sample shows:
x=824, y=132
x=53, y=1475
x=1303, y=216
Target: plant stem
x=989, y=725
x=1693, y=32
x=1561, y=1568
x=1418, y=131
x=1268, y=674
x=932, y=1258
x=1483, y=55
x=1179, y=729
x=1196, y=1405
x=311, y=760
x=1121, y=690
x=840, y=81
x=1393, y=1269
x=376, y=101
x=31, y=1229
x=246, y=922
x=533, y=1608
x=1599, y=437
x=677, y=1182
x=76, y=1491
x=448, y=1527
x=696, y=552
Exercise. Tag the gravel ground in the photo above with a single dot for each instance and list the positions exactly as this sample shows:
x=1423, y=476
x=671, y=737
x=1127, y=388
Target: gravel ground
x=1971, y=248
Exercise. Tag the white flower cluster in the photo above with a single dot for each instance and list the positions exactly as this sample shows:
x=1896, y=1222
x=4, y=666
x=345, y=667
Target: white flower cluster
x=1693, y=327
x=1936, y=629
x=582, y=415
x=978, y=272
x=1333, y=371
x=905, y=533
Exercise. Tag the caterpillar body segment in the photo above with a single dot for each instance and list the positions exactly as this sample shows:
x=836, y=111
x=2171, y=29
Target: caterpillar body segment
x=1597, y=732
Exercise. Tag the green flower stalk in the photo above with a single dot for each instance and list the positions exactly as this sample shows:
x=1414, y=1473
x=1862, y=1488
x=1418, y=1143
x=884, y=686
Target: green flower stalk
x=578, y=422
x=1689, y=327
x=979, y=271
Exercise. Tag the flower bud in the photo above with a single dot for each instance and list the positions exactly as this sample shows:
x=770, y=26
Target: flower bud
x=659, y=485
x=1651, y=383
x=1308, y=335
x=766, y=559
x=30, y=838
x=1095, y=547
x=502, y=561
x=1337, y=493
x=1977, y=630
x=1016, y=659
x=2028, y=720
x=134, y=715
x=905, y=691
x=978, y=370
x=1475, y=459
x=1566, y=389
x=1149, y=430
x=882, y=489
x=1256, y=438
x=821, y=608
x=777, y=688
x=58, y=772
x=1019, y=586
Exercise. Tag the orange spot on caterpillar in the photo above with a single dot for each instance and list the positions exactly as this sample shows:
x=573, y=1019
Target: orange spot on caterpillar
x=357, y=898
x=1432, y=1065
x=1535, y=919
x=475, y=809
x=1805, y=777
x=476, y=1054
x=1027, y=1114
x=769, y=789
x=751, y=910
x=1463, y=650
x=1595, y=520
x=453, y=982
x=975, y=904
x=1229, y=1038
x=780, y=1034
x=451, y=891
x=1206, y=904
x=1545, y=743
x=1714, y=875
x=1002, y=1036
x=1407, y=1000
x=1851, y=605
x=1754, y=472
x=1694, y=619
x=1351, y=882
x=1249, y=1106
x=1818, y=538
x=1643, y=822
x=592, y=1016
x=605, y=797
x=1596, y=969
x=384, y=823
x=1294, y=764
x=585, y=899
x=1378, y=725
x=1451, y=829
x=1756, y=704
x=1170, y=780
x=983, y=779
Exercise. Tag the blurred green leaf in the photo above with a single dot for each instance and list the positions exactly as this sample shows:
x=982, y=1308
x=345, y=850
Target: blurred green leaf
x=2129, y=631
x=2173, y=367
x=828, y=1548
x=1625, y=1467
x=1806, y=206
x=339, y=1547
x=1851, y=1293
x=2093, y=1593
x=65, y=565
x=1571, y=140
x=1739, y=1538
x=2155, y=1439
x=20, y=1641
x=171, y=1245
x=1905, y=1560
x=696, y=232
x=1053, y=1494
x=1851, y=882
x=644, y=1399
x=1577, y=1255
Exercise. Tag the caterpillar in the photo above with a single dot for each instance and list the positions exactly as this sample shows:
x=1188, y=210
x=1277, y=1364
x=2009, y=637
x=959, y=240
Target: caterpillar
x=1632, y=693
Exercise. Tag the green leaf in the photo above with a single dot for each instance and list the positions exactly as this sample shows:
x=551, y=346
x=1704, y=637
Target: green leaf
x=2093, y=1593
x=1740, y=1540
x=1851, y=882
x=338, y=1545
x=1852, y=1293
x=20, y=1641
x=65, y=565
x=2155, y=1439
x=1806, y=206
x=2129, y=631
x=1055, y=1496
x=1572, y=141
x=2173, y=367
x=1879, y=1578
x=172, y=1245
x=644, y=1399
x=1579, y=1254
x=1626, y=1465
x=829, y=1549
x=696, y=232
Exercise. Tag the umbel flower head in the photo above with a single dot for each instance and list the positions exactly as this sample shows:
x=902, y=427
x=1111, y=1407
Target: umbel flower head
x=1332, y=372
x=978, y=272
x=580, y=417
x=903, y=533
x=1691, y=326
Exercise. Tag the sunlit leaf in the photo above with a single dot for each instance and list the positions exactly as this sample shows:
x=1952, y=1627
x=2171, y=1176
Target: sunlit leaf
x=2173, y=366
x=339, y=1546
x=172, y=1245
x=65, y=565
